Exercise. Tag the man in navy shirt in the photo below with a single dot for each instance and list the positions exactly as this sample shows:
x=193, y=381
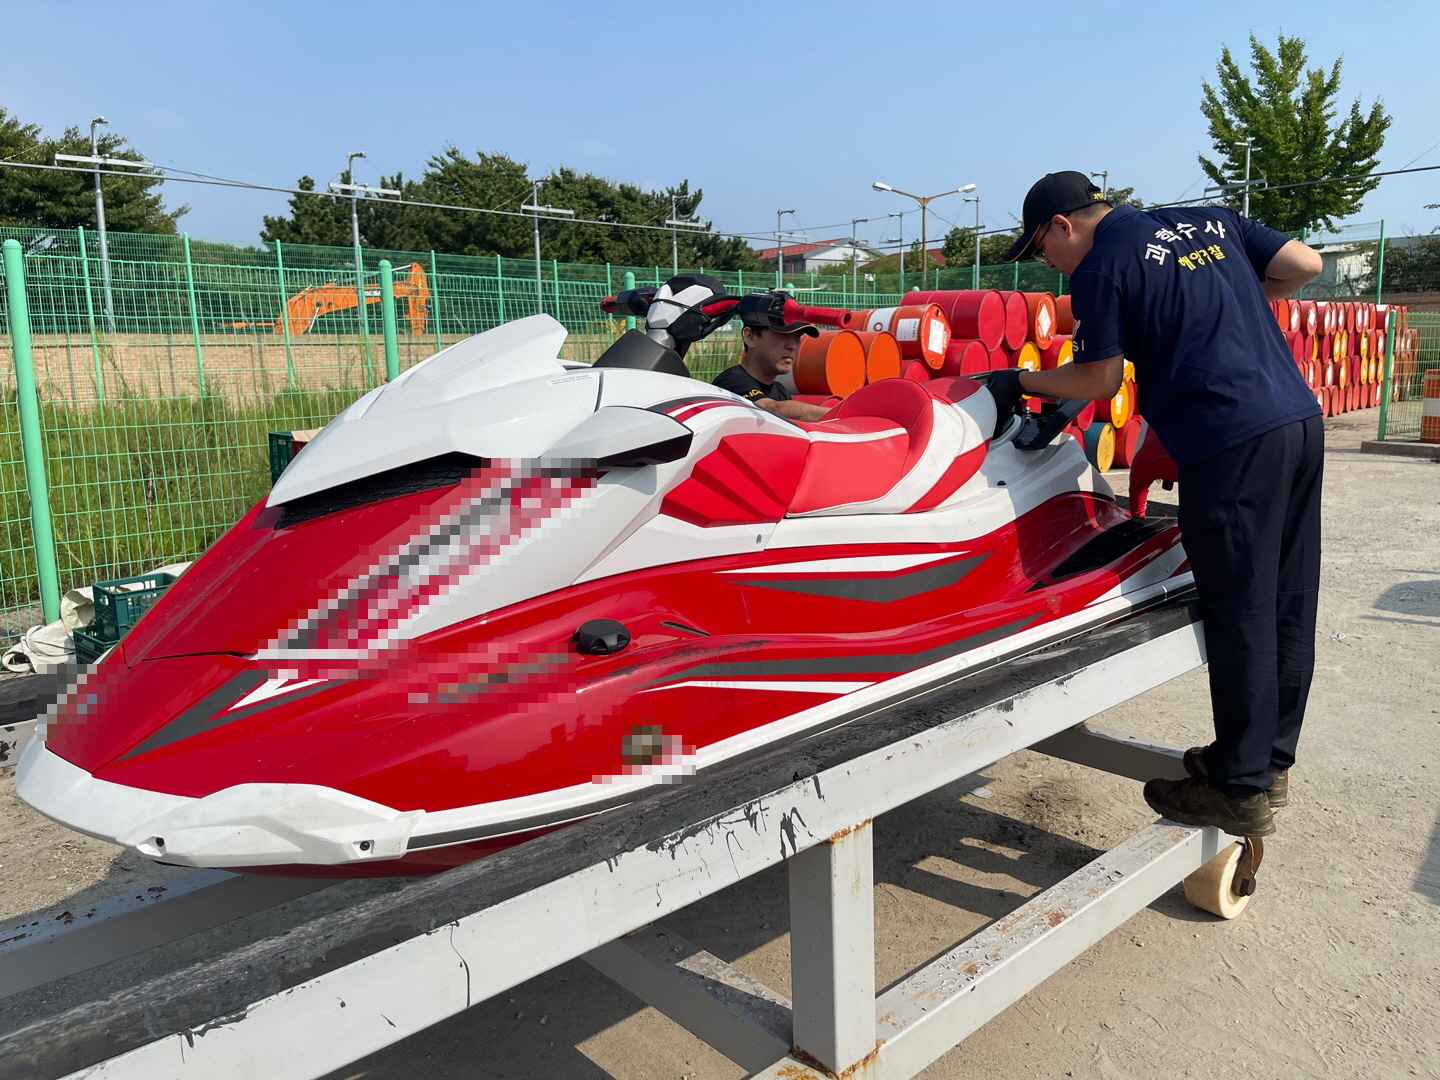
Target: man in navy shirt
x=771, y=345
x=1183, y=294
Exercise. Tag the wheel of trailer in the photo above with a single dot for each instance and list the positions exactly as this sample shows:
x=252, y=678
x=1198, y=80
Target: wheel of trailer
x=1224, y=885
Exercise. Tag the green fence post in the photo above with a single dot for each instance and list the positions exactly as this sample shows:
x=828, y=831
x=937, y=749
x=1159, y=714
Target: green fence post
x=555, y=278
x=387, y=321
x=740, y=281
x=435, y=299
x=1304, y=239
x=1016, y=286
x=90, y=315
x=500, y=286
x=609, y=281
x=629, y=281
x=1386, y=381
x=1380, y=266
x=32, y=442
x=284, y=319
x=194, y=315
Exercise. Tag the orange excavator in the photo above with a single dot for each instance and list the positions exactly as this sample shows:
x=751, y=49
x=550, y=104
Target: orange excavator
x=302, y=309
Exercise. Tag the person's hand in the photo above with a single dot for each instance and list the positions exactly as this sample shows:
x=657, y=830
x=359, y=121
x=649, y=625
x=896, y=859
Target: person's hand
x=1004, y=386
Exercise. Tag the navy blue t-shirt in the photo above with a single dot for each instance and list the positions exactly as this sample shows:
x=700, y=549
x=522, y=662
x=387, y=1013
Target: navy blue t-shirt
x=1178, y=292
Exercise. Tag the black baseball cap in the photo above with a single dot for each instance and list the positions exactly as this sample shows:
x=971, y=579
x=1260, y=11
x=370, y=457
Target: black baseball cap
x=1054, y=193
x=766, y=311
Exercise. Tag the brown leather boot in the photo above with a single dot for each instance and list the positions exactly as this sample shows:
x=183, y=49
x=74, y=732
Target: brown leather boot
x=1278, y=795
x=1194, y=802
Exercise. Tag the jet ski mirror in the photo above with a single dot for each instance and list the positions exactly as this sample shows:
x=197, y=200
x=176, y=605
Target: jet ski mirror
x=617, y=436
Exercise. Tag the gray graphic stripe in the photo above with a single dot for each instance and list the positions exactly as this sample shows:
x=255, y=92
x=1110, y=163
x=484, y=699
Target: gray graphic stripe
x=875, y=590
x=877, y=664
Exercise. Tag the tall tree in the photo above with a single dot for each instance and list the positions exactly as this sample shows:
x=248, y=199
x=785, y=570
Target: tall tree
x=1289, y=114
x=56, y=199
x=314, y=219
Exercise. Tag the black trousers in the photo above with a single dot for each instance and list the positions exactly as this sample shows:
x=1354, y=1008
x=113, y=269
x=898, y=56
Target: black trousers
x=1250, y=521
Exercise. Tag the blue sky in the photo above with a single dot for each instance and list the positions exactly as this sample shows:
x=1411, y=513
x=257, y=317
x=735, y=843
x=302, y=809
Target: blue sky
x=763, y=106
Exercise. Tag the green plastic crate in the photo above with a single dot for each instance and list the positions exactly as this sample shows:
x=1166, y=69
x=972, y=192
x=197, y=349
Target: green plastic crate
x=284, y=445
x=119, y=603
x=89, y=646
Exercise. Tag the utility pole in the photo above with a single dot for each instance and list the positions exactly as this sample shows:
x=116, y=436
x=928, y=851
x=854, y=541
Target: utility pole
x=675, y=223
x=100, y=225
x=1104, y=175
x=901, y=241
x=535, y=207
x=855, y=257
x=355, y=242
x=779, y=250
x=1249, y=143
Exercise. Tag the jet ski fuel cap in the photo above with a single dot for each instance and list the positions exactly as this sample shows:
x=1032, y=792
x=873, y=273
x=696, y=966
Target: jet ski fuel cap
x=600, y=637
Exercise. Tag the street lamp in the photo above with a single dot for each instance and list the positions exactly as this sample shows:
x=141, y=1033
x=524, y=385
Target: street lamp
x=355, y=241
x=975, y=279
x=100, y=223
x=779, y=251
x=1104, y=175
x=1249, y=145
x=901, y=241
x=535, y=207
x=924, y=201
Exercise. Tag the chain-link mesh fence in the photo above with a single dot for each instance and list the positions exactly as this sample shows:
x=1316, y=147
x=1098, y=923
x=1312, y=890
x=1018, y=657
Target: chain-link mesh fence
x=1417, y=351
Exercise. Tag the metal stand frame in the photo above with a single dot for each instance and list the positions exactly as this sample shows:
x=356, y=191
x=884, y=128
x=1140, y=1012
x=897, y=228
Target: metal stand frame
x=597, y=888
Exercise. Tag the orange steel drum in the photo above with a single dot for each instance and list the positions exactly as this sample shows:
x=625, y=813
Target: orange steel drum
x=965, y=356
x=1017, y=320
x=1064, y=319
x=1060, y=353
x=1040, y=318
x=1309, y=317
x=1028, y=358
x=1118, y=409
x=1127, y=442
x=916, y=371
x=830, y=364
x=882, y=356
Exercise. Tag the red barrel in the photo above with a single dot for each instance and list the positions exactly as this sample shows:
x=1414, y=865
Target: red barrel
x=1309, y=317
x=1017, y=320
x=1064, y=320
x=1040, y=318
x=965, y=356
x=972, y=313
x=830, y=364
x=1127, y=442
x=1058, y=354
x=916, y=371
x=1000, y=358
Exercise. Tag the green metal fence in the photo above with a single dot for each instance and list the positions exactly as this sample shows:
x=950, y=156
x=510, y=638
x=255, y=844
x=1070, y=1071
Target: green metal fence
x=1405, y=374
x=154, y=396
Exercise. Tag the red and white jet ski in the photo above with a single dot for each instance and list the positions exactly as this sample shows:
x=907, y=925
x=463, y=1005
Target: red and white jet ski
x=505, y=592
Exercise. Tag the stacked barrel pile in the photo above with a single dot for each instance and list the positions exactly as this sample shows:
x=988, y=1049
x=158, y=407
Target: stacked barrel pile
x=963, y=332
x=1339, y=347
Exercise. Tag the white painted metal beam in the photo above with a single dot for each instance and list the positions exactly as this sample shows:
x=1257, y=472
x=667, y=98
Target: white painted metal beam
x=1113, y=752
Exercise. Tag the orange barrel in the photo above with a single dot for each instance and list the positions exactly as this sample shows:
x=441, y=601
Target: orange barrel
x=882, y=356
x=1354, y=395
x=1327, y=347
x=1314, y=340
x=971, y=313
x=1342, y=372
x=965, y=356
x=920, y=329
x=1064, y=319
x=916, y=371
x=1322, y=396
x=1380, y=316
x=1282, y=314
x=1000, y=358
x=1309, y=317
x=1127, y=442
x=1060, y=353
x=830, y=364
x=1118, y=409
x=1040, y=318
x=1296, y=316
x=1100, y=445
x=1017, y=320
x=1028, y=358
x=1374, y=394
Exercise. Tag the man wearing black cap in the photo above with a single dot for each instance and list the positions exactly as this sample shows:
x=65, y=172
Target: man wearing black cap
x=1183, y=294
x=771, y=345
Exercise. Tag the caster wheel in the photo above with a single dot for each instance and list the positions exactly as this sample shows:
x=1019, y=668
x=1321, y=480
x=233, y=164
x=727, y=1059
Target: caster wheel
x=1224, y=885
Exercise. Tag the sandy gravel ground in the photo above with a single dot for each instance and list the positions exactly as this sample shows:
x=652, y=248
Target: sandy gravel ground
x=1334, y=971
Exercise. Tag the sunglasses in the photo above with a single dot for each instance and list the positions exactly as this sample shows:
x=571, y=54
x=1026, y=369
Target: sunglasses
x=1038, y=251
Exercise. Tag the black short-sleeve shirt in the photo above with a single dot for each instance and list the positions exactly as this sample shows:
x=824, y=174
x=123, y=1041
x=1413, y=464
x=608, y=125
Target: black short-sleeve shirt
x=739, y=381
x=1178, y=292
